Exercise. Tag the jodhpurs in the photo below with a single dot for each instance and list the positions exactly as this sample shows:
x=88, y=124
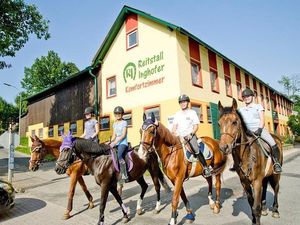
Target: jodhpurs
x=122, y=150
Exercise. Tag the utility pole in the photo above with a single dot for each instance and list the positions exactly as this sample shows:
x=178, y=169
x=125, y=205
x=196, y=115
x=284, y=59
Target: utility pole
x=11, y=154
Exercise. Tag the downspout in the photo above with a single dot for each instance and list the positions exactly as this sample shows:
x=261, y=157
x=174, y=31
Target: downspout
x=95, y=92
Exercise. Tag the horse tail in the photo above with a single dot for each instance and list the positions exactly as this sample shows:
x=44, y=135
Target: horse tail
x=163, y=181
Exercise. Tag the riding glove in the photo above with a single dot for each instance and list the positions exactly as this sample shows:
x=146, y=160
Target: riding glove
x=258, y=132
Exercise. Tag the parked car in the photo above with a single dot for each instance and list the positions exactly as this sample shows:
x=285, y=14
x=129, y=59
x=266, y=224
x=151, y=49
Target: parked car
x=7, y=196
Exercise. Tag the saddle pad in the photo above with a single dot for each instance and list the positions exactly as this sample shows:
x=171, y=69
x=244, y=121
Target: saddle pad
x=128, y=160
x=204, y=149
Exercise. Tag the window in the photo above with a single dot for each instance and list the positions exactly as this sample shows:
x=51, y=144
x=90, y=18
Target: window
x=255, y=97
x=214, y=81
x=154, y=110
x=41, y=133
x=239, y=90
x=196, y=74
x=198, y=109
x=132, y=39
x=60, y=130
x=262, y=100
x=73, y=127
x=51, y=132
x=247, y=80
x=32, y=133
x=228, y=86
x=111, y=87
x=128, y=117
x=208, y=115
x=104, y=123
x=268, y=103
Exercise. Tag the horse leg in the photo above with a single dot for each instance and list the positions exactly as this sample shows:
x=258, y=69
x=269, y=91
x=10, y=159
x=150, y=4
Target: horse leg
x=210, y=199
x=217, y=206
x=248, y=190
x=274, y=181
x=73, y=181
x=103, y=199
x=175, y=198
x=189, y=216
x=141, y=181
x=256, y=208
x=156, y=183
x=114, y=191
x=86, y=192
x=264, y=210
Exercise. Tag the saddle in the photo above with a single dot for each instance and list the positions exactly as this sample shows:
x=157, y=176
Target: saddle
x=128, y=159
x=203, y=148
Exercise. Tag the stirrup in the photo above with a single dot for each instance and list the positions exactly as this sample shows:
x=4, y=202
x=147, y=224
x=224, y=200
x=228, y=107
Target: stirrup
x=207, y=171
x=277, y=168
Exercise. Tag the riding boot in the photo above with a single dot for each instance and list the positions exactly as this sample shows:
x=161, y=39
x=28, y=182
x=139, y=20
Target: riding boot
x=123, y=172
x=206, y=169
x=276, y=167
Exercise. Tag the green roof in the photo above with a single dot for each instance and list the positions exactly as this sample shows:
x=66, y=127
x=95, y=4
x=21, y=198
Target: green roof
x=126, y=10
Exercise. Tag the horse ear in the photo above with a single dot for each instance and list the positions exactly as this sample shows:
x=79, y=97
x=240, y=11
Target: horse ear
x=221, y=108
x=32, y=139
x=144, y=117
x=234, y=104
x=152, y=117
x=62, y=134
x=70, y=133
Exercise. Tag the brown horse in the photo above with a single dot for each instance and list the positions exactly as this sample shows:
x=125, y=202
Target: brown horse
x=170, y=150
x=101, y=164
x=41, y=148
x=252, y=165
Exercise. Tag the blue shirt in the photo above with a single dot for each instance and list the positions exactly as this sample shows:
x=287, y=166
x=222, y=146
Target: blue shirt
x=118, y=129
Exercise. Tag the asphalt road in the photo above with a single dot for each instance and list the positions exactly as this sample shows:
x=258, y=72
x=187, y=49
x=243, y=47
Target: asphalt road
x=45, y=199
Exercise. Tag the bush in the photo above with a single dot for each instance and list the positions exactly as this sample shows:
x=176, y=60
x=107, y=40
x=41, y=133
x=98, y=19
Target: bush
x=288, y=139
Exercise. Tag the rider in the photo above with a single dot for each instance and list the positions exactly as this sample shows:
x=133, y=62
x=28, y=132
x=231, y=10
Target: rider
x=119, y=140
x=253, y=116
x=91, y=125
x=186, y=125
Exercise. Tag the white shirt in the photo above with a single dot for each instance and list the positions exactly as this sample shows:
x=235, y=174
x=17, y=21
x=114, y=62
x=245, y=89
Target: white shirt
x=251, y=116
x=185, y=120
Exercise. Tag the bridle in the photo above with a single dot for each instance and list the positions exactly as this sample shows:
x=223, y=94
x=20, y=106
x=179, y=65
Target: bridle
x=40, y=150
x=154, y=132
x=66, y=162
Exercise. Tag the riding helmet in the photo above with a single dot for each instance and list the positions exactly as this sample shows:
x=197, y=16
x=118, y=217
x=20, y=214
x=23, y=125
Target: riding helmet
x=119, y=110
x=89, y=110
x=183, y=98
x=247, y=92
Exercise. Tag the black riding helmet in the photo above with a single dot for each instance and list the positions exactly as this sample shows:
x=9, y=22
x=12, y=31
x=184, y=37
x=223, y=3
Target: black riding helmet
x=89, y=110
x=247, y=92
x=119, y=110
x=183, y=98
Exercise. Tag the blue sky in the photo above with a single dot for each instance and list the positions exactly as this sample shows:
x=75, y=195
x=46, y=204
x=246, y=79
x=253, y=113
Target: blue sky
x=260, y=35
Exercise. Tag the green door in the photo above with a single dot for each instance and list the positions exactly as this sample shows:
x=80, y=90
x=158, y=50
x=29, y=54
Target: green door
x=214, y=111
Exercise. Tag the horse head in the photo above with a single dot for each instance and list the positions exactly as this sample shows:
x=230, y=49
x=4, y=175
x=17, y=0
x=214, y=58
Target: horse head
x=230, y=126
x=148, y=132
x=67, y=154
x=37, y=153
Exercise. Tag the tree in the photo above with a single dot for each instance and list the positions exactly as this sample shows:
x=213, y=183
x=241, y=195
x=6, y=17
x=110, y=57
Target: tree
x=18, y=21
x=291, y=84
x=46, y=72
x=8, y=113
x=294, y=124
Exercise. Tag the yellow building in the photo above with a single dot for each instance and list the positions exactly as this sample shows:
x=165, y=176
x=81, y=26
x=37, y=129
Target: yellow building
x=145, y=63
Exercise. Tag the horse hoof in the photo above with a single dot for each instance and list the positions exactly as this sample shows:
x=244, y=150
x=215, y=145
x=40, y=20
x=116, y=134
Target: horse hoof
x=156, y=211
x=275, y=214
x=125, y=219
x=264, y=212
x=189, y=218
x=216, y=210
x=66, y=216
x=139, y=211
x=91, y=205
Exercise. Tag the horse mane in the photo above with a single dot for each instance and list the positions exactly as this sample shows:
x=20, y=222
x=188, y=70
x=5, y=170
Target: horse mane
x=228, y=110
x=167, y=136
x=91, y=147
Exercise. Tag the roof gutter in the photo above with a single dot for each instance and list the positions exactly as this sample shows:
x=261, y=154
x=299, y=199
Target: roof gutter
x=96, y=108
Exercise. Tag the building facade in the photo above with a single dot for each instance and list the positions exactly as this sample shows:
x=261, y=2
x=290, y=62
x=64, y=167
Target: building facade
x=145, y=63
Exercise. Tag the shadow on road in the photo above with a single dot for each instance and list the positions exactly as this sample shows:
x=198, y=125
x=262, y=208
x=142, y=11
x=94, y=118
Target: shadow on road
x=23, y=206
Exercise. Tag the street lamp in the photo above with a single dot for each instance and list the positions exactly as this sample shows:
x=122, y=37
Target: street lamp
x=20, y=105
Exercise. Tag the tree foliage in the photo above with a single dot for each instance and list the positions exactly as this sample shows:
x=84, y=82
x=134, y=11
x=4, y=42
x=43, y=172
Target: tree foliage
x=18, y=21
x=8, y=113
x=291, y=84
x=46, y=72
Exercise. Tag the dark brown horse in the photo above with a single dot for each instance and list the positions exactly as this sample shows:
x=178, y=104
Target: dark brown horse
x=41, y=148
x=252, y=165
x=101, y=164
x=170, y=150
